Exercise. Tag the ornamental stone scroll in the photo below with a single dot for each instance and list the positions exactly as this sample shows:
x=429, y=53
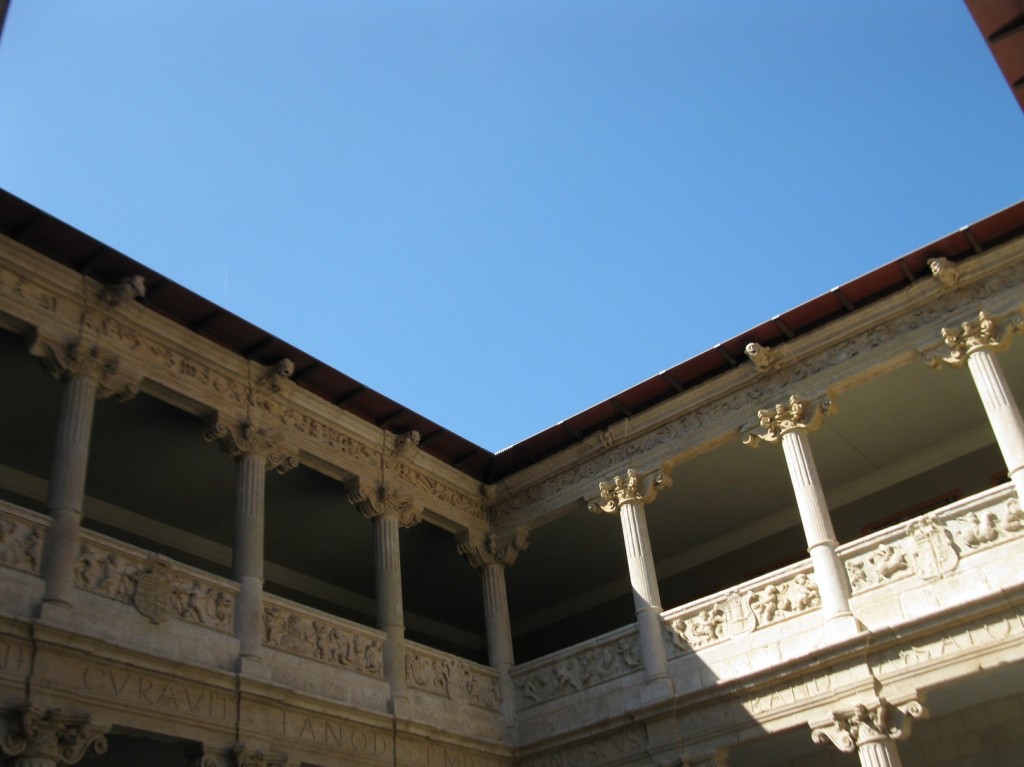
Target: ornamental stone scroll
x=48, y=738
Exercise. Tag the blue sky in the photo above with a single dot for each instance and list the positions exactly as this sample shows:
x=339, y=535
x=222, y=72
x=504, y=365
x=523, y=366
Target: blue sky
x=501, y=213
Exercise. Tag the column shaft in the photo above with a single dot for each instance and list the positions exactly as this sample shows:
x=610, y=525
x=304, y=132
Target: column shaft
x=390, y=613
x=500, y=653
x=821, y=538
x=1002, y=411
x=879, y=753
x=67, y=489
x=646, y=598
x=248, y=553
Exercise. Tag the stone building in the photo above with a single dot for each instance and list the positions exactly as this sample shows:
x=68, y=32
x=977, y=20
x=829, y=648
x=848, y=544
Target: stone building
x=217, y=550
x=267, y=563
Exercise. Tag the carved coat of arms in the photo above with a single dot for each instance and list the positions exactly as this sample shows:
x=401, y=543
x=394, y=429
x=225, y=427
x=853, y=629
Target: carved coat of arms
x=934, y=554
x=153, y=591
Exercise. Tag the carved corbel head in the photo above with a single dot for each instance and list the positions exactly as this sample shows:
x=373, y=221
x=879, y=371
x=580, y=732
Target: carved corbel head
x=406, y=444
x=128, y=289
x=276, y=374
x=764, y=358
x=945, y=271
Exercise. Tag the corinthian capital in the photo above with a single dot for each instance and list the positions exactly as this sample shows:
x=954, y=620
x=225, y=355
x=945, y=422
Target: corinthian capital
x=76, y=359
x=784, y=418
x=867, y=724
x=489, y=549
x=630, y=488
x=376, y=501
x=240, y=439
x=973, y=336
x=52, y=736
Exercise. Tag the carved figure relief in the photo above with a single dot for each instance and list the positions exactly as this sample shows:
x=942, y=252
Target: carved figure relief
x=745, y=611
x=21, y=545
x=317, y=639
x=589, y=667
x=932, y=551
x=449, y=677
x=153, y=590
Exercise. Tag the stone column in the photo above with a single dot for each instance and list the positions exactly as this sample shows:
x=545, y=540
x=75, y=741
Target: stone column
x=86, y=378
x=871, y=731
x=628, y=495
x=48, y=738
x=256, y=452
x=491, y=555
x=975, y=345
x=389, y=512
x=789, y=425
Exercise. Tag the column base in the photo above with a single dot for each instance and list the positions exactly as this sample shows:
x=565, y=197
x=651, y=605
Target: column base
x=55, y=612
x=253, y=667
x=842, y=626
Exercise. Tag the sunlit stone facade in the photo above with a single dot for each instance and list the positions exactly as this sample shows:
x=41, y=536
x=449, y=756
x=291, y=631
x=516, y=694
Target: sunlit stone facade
x=205, y=561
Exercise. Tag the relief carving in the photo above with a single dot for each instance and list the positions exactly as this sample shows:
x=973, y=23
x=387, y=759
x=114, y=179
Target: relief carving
x=239, y=439
x=317, y=639
x=449, y=677
x=21, y=545
x=745, y=611
x=586, y=668
x=933, y=553
x=879, y=566
x=480, y=550
x=377, y=500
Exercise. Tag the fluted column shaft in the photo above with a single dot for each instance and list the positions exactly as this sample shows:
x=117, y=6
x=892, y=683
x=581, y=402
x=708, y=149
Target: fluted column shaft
x=1002, y=411
x=817, y=524
x=390, y=613
x=248, y=552
x=67, y=488
x=879, y=753
x=646, y=598
x=500, y=654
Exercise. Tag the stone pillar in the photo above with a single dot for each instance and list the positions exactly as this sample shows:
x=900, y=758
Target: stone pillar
x=87, y=377
x=628, y=497
x=255, y=451
x=389, y=512
x=789, y=425
x=48, y=738
x=871, y=731
x=491, y=555
x=975, y=345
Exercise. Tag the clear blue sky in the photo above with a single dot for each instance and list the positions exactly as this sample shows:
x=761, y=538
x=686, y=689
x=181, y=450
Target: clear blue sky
x=501, y=213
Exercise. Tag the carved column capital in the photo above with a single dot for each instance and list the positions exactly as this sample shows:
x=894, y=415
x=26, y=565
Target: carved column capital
x=784, y=418
x=247, y=757
x=632, y=487
x=77, y=359
x=375, y=500
x=983, y=334
x=241, y=439
x=868, y=724
x=489, y=549
x=50, y=735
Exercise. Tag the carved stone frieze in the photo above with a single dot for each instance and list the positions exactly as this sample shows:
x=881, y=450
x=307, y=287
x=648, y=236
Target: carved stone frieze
x=52, y=736
x=632, y=487
x=322, y=640
x=375, y=500
x=21, y=544
x=972, y=336
x=450, y=677
x=865, y=724
x=154, y=586
x=726, y=408
x=571, y=673
x=238, y=439
x=884, y=563
x=744, y=611
x=784, y=418
x=480, y=550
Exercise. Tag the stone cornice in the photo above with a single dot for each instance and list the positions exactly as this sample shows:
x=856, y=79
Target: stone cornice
x=867, y=342
x=44, y=300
